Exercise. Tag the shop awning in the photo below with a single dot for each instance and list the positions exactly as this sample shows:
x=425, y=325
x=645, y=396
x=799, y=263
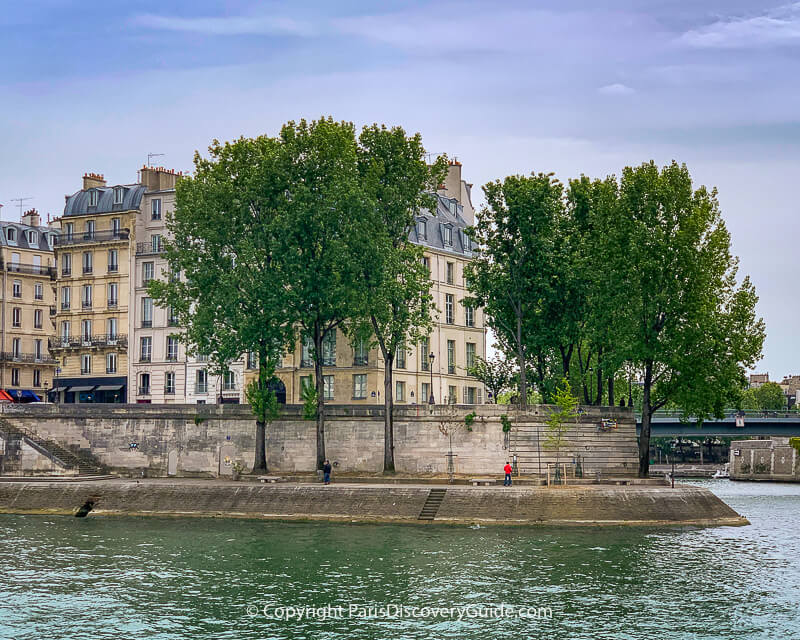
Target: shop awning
x=58, y=389
x=4, y=397
x=79, y=389
x=14, y=393
x=30, y=395
x=109, y=387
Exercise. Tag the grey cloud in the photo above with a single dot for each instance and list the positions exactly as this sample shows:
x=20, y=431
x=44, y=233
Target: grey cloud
x=779, y=26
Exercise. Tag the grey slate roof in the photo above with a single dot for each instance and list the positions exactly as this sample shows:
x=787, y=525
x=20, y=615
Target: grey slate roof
x=448, y=214
x=78, y=203
x=43, y=240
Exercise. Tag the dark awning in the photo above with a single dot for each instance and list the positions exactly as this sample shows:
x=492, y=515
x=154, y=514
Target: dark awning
x=58, y=389
x=109, y=387
x=79, y=389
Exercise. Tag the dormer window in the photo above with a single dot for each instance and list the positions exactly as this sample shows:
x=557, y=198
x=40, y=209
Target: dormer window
x=119, y=193
x=93, y=194
x=33, y=238
x=422, y=229
x=467, y=241
x=11, y=234
x=453, y=206
x=447, y=235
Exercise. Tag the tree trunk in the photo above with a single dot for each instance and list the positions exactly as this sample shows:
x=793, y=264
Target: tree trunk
x=318, y=336
x=388, y=417
x=599, y=398
x=260, y=464
x=611, y=391
x=647, y=413
x=566, y=358
x=523, y=380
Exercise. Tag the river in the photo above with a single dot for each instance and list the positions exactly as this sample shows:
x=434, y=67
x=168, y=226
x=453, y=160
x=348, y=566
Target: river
x=169, y=578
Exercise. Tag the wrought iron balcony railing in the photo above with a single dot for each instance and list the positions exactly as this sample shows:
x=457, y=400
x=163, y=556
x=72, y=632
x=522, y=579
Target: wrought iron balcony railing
x=30, y=269
x=96, y=340
x=92, y=237
x=147, y=249
x=10, y=356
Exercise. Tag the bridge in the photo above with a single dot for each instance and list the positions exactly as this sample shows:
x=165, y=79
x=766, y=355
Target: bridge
x=756, y=423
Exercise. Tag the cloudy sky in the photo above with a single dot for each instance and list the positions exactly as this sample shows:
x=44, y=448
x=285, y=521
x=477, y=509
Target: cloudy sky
x=506, y=87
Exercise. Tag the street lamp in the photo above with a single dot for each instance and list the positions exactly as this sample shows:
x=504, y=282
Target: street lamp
x=430, y=359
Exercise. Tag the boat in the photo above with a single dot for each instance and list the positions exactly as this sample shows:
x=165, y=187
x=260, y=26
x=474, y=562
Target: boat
x=722, y=473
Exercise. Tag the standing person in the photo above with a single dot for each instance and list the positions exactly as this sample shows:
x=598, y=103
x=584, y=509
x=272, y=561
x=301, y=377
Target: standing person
x=326, y=470
x=508, y=469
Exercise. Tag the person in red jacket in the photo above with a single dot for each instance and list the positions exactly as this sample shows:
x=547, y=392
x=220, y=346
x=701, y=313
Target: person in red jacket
x=508, y=469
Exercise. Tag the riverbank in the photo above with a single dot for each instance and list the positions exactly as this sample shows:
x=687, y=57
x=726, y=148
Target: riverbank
x=592, y=505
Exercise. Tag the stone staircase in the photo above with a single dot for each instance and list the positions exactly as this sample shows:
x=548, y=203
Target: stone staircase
x=73, y=459
x=432, y=504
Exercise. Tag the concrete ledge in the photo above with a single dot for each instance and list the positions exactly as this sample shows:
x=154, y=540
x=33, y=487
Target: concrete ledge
x=568, y=506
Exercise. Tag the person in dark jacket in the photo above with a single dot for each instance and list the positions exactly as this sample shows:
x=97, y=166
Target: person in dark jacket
x=326, y=470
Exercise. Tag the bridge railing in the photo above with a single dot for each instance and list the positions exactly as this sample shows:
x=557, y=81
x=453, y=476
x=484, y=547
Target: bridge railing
x=730, y=414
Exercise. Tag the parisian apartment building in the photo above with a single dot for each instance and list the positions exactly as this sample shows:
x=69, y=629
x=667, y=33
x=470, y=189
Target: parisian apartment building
x=26, y=367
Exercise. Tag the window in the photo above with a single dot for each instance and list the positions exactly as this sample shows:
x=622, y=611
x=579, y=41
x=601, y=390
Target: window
x=16, y=289
x=202, y=357
x=156, y=208
x=147, y=312
x=89, y=230
x=111, y=363
x=156, y=243
x=65, y=332
x=86, y=363
x=451, y=395
x=93, y=198
x=113, y=295
x=119, y=193
x=305, y=355
x=467, y=242
x=169, y=383
x=11, y=234
x=470, y=395
x=37, y=318
x=229, y=381
x=327, y=387
x=69, y=230
x=116, y=224
x=147, y=273
x=15, y=377
x=86, y=331
x=38, y=291
x=111, y=329
x=400, y=356
x=14, y=261
x=201, y=381
x=145, y=348
x=329, y=349
x=37, y=349
x=451, y=269
x=425, y=392
x=66, y=264
x=360, y=353
x=172, y=348
x=359, y=386
x=113, y=260
x=16, y=317
x=400, y=391
x=33, y=238
x=470, y=355
x=37, y=378
x=252, y=360
x=424, y=351
x=447, y=235
x=427, y=262
x=172, y=317
x=86, y=296
x=469, y=316
x=451, y=356
x=16, y=347
x=144, y=384
x=422, y=229
x=87, y=261
x=448, y=308
x=305, y=383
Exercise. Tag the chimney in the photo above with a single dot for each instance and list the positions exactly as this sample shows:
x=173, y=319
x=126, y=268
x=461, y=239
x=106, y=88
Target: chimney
x=158, y=178
x=31, y=218
x=92, y=180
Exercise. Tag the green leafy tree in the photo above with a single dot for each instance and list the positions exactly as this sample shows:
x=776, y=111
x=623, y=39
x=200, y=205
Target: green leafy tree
x=225, y=284
x=769, y=397
x=396, y=309
x=558, y=423
x=496, y=374
x=680, y=318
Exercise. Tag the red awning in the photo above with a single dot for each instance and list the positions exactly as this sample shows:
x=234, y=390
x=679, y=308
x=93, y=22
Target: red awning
x=4, y=397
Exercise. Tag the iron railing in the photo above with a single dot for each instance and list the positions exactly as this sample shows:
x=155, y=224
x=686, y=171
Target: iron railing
x=147, y=249
x=92, y=237
x=96, y=340
x=10, y=356
x=31, y=269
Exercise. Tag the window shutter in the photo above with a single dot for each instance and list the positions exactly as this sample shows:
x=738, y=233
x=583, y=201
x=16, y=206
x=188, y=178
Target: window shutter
x=464, y=395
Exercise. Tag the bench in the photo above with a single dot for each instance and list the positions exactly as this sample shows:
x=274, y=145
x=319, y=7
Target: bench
x=271, y=479
x=477, y=482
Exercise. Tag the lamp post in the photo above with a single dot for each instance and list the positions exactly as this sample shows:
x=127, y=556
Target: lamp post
x=430, y=360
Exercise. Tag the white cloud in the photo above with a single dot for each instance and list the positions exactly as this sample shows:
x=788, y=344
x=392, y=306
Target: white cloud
x=227, y=26
x=779, y=26
x=616, y=89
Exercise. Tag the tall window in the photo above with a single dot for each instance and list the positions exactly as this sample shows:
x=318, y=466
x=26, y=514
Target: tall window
x=38, y=291
x=37, y=378
x=11, y=234
x=37, y=318
x=424, y=351
x=201, y=381
x=66, y=264
x=156, y=208
x=229, y=381
x=327, y=387
x=69, y=230
x=116, y=225
x=147, y=312
x=169, y=383
x=86, y=363
x=89, y=230
x=33, y=238
x=86, y=331
x=448, y=308
x=422, y=229
x=306, y=382
x=451, y=356
x=172, y=348
x=400, y=356
x=424, y=392
x=172, y=317
x=469, y=397
x=447, y=235
x=427, y=262
x=16, y=289
x=93, y=198
x=113, y=260
x=119, y=193
x=400, y=391
x=252, y=360
x=111, y=363
x=86, y=296
x=469, y=316
x=37, y=349
x=359, y=386
x=65, y=332
x=15, y=377
x=360, y=353
x=452, y=397
x=16, y=317
x=329, y=349
x=470, y=355
x=305, y=355
x=156, y=243
x=16, y=347
x=113, y=294
x=111, y=329
x=144, y=384
x=145, y=348
x=147, y=273
x=87, y=261
x=451, y=270
x=65, y=297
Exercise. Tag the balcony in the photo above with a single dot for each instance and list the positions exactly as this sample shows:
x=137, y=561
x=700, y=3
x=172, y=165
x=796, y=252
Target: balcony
x=93, y=237
x=31, y=269
x=97, y=340
x=172, y=357
x=145, y=357
x=147, y=249
x=144, y=391
x=201, y=387
x=111, y=369
x=65, y=306
x=86, y=304
x=451, y=368
x=66, y=272
x=87, y=269
x=112, y=304
x=38, y=296
x=169, y=391
x=85, y=371
x=10, y=356
x=113, y=268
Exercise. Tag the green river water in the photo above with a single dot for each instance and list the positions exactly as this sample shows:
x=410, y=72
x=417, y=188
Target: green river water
x=163, y=578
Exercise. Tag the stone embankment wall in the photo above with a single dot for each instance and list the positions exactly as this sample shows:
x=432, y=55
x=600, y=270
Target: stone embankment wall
x=589, y=506
x=772, y=459
x=204, y=440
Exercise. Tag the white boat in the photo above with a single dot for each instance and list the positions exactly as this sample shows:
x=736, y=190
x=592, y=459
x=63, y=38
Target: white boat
x=722, y=473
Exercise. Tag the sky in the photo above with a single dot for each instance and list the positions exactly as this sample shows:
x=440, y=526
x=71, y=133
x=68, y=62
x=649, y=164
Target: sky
x=506, y=87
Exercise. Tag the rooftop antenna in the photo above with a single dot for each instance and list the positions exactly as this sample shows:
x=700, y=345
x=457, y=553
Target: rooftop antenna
x=20, y=203
x=150, y=157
